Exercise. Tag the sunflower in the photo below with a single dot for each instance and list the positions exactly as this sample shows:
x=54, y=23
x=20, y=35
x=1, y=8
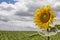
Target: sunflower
x=43, y=16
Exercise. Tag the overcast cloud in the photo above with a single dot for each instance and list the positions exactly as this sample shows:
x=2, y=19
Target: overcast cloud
x=20, y=15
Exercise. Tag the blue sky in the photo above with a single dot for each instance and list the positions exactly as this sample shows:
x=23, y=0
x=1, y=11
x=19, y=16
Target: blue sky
x=8, y=1
x=18, y=14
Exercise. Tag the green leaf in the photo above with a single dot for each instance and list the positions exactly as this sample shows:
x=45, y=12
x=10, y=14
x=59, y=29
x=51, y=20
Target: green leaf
x=57, y=26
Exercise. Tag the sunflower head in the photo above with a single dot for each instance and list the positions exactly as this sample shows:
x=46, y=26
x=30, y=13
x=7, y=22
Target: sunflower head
x=43, y=16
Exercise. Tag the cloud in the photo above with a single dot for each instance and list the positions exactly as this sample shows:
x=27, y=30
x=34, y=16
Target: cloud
x=17, y=26
x=56, y=9
x=6, y=9
x=32, y=5
x=20, y=14
x=4, y=19
x=23, y=13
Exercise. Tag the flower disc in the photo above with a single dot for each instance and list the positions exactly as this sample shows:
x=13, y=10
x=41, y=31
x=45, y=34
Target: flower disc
x=45, y=17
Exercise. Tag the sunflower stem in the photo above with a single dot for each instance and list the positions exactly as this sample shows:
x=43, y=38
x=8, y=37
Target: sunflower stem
x=48, y=31
x=48, y=38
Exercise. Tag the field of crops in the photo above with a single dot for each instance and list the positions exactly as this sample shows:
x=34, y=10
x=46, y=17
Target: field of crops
x=24, y=35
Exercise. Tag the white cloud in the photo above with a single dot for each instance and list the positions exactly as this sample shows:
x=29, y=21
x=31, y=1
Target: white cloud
x=17, y=25
x=22, y=11
x=21, y=6
x=6, y=9
x=57, y=4
x=56, y=9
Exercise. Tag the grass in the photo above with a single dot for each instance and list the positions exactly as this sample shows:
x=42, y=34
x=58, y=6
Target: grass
x=24, y=35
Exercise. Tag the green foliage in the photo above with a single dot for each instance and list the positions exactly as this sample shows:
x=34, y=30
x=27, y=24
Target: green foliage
x=24, y=35
x=57, y=26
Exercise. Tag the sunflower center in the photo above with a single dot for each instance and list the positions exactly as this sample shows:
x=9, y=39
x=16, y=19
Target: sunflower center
x=45, y=17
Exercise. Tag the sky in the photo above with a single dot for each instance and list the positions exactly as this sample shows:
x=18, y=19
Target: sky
x=18, y=14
